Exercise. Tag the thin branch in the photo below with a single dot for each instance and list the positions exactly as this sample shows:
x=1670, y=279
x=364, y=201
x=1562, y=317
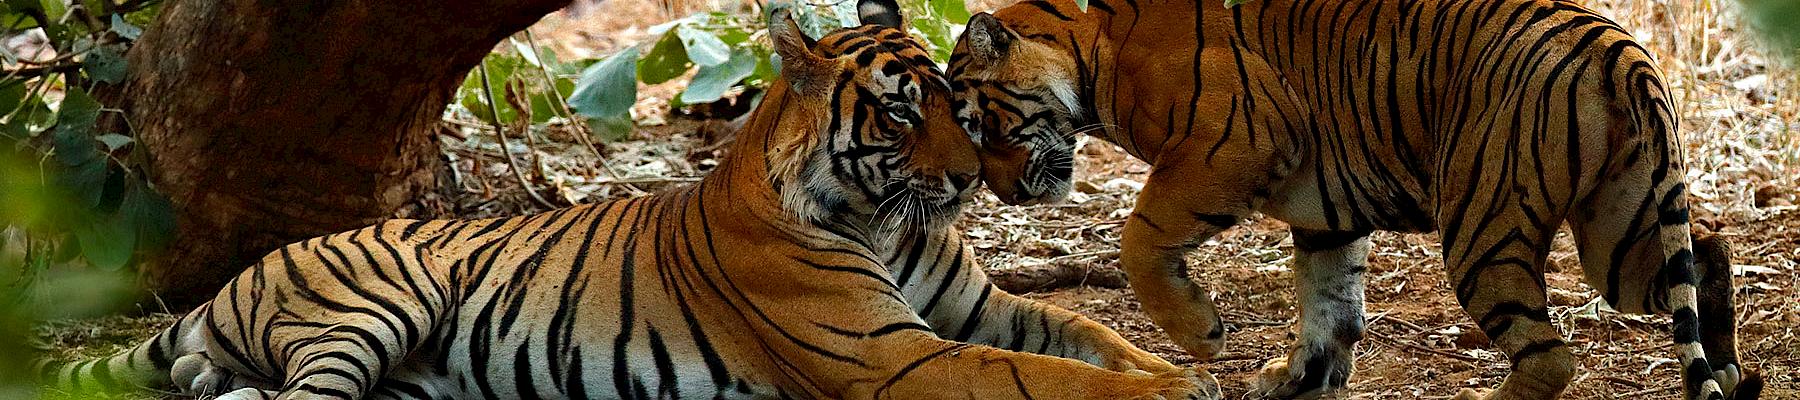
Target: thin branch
x=38, y=72
x=582, y=133
x=505, y=148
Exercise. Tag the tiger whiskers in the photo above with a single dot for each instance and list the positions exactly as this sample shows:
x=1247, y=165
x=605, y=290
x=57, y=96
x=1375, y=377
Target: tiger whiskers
x=1072, y=133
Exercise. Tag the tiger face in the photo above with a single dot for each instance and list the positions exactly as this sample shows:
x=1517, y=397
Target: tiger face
x=888, y=150
x=1017, y=99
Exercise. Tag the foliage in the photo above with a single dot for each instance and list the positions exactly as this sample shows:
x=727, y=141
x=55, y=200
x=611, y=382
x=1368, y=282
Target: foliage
x=718, y=52
x=1775, y=20
x=75, y=206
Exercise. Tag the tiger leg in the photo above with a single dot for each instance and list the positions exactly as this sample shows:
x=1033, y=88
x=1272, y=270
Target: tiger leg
x=1496, y=268
x=1180, y=207
x=953, y=295
x=1635, y=249
x=917, y=365
x=881, y=349
x=1021, y=324
x=196, y=374
x=1718, y=322
x=1328, y=270
x=352, y=306
x=249, y=394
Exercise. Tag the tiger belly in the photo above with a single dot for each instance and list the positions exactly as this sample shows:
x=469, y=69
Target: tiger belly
x=608, y=331
x=1302, y=201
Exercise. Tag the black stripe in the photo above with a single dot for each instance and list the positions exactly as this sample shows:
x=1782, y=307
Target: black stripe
x=1535, y=348
x=665, y=368
x=974, y=319
x=1048, y=9
x=915, y=365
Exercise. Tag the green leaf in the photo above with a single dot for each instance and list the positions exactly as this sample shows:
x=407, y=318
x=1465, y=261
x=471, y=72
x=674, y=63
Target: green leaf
x=1082, y=4
x=144, y=16
x=607, y=89
x=12, y=14
x=473, y=96
x=667, y=60
x=613, y=129
x=114, y=141
x=712, y=82
x=544, y=106
x=765, y=66
x=12, y=93
x=1230, y=3
x=53, y=9
x=105, y=63
x=75, y=117
x=937, y=34
x=150, y=213
x=86, y=181
x=14, y=129
x=125, y=29
x=734, y=35
x=108, y=242
x=954, y=11
x=702, y=47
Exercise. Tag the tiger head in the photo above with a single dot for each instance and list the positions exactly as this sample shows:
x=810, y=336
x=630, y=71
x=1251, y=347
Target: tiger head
x=876, y=140
x=1017, y=97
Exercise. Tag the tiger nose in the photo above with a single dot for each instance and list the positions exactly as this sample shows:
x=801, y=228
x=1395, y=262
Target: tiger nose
x=960, y=182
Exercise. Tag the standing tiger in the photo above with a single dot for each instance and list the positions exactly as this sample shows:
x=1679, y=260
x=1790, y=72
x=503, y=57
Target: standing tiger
x=1491, y=122
x=816, y=262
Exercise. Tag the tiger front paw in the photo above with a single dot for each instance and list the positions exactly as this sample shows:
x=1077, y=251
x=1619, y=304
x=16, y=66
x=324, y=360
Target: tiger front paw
x=1323, y=372
x=1472, y=394
x=1183, y=384
x=1133, y=359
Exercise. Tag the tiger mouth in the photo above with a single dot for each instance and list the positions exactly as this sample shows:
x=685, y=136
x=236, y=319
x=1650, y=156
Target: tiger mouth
x=909, y=207
x=1049, y=180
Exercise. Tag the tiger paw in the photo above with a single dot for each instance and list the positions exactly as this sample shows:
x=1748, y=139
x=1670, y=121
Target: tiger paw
x=1133, y=359
x=1182, y=384
x=1323, y=374
x=1472, y=394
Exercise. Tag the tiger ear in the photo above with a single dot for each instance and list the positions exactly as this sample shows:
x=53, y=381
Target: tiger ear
x=880, y=12
x=987, y=39
x=803, y=69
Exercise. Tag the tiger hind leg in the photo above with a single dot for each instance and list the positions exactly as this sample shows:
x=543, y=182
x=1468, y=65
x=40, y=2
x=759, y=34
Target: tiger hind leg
x=1496, y=268
x=197, y=374
x=1718, y=325
x=1328, y=270
x=1635, y=249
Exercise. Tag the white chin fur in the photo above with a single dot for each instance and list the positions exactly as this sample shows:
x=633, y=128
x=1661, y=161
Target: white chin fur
x=798, y=197
x=1064, y=90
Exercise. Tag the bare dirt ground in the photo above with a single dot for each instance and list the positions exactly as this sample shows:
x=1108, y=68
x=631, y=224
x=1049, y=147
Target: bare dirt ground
x=1739, y=112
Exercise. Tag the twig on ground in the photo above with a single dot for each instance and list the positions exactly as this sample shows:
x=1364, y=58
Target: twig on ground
x=1415, y=347
x=1053, y=276
x=1633, y=395
x=632, y=181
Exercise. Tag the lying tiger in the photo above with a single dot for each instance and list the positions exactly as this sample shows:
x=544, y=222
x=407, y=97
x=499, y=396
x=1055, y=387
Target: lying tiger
x=774, y=277
x=1492, y=122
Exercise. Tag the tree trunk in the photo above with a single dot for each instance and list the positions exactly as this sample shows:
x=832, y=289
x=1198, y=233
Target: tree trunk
x=271, y=121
